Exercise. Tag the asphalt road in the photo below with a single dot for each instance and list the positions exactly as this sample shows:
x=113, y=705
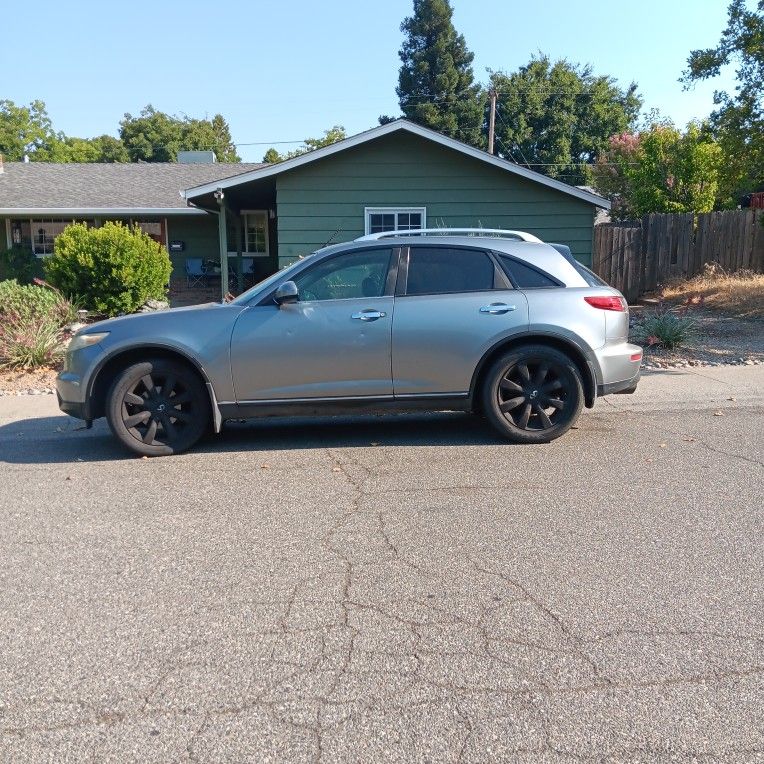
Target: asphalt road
x=398, y=589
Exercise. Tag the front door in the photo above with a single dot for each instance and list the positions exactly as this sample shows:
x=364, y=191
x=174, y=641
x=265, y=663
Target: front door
x=334, y=342
x=456, y=303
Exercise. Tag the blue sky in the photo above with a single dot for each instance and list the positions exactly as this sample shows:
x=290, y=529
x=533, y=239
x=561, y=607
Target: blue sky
x=288, y=70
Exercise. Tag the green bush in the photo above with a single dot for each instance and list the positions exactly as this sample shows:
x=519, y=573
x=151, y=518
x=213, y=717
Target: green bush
x=110, y=270
x=32, y=321
x=31, y=302
x=666, y=328
x=20, y=264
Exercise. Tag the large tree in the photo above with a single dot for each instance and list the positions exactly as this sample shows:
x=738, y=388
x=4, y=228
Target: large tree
x=738, y=122
x=557, y=117
x=436, y=85
x=660, y=170
x=154, y=136
x=24, y=130
x=332, y=135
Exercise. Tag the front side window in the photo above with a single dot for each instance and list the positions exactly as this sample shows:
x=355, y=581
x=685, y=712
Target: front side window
x=382, y=219
x=347, y=276
x=443, y=270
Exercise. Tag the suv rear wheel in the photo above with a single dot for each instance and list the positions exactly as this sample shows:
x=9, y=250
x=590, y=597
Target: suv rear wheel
x=533, y=394
x=158, y=407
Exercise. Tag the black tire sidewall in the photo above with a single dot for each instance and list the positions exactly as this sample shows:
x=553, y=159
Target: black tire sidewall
x=500, y=367
x=127, y=378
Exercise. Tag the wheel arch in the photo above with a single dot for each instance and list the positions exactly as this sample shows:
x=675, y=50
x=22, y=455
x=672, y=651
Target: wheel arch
x=565, y=345
x=111, y=365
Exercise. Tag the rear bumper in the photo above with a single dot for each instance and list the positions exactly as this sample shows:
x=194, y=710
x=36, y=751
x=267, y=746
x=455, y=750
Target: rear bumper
x=625, y=387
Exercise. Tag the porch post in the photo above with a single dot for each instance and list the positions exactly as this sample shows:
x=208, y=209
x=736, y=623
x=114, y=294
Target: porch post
x=223, y=243
x=239, y=263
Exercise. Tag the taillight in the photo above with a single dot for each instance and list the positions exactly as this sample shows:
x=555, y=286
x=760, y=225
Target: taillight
x=636, y=356
x=609, y=302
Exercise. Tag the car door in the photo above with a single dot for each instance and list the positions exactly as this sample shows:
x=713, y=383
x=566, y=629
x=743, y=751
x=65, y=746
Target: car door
x=333, y=342
x=453, y=303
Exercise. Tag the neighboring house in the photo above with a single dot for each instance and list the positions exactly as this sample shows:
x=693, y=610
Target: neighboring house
x=396, y=176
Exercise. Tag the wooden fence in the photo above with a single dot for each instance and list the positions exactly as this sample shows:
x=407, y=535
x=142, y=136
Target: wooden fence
x=636, y=257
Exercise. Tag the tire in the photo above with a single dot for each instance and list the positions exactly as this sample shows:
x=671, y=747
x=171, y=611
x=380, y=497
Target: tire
x=149, y=423
x=533, y=394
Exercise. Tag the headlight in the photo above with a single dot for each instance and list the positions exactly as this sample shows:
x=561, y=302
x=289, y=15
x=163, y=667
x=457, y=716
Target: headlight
x=80, y=341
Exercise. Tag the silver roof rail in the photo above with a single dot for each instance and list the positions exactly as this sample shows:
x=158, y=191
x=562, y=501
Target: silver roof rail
x=487, y=232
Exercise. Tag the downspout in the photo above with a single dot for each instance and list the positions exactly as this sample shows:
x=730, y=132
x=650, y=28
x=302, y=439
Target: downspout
x=222, y=242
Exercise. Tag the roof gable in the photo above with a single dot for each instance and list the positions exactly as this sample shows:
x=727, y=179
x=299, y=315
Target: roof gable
x=387, y=129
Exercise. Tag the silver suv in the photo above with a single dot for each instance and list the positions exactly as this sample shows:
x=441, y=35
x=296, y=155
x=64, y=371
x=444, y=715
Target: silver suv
x=495, y=322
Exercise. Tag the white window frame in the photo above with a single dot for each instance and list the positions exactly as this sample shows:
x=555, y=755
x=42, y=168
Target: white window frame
x=369, y=211
x=243, y=214
x=42, y=221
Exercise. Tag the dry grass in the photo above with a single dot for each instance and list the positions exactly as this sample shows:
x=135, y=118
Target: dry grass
x=740, y=294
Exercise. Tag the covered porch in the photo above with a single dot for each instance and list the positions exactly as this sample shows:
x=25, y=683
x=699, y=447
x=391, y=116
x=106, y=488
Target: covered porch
x=247, y=227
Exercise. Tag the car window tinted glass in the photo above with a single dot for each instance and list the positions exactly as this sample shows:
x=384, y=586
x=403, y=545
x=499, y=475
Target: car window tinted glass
x=524, y=276
x=355, y=274
x=434, y=270
x=590, y=277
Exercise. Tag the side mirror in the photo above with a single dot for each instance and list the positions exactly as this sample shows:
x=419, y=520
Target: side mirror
x=287, y=293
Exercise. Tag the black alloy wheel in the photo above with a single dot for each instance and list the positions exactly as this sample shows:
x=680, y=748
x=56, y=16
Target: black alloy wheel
x=158, y=408
x=533, y=394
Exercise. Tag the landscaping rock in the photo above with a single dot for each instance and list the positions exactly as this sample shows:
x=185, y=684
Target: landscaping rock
x=153, y=305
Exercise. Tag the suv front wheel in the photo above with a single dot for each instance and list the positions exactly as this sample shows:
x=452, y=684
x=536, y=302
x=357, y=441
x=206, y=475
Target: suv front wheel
x=158, y=407
x=533, y=394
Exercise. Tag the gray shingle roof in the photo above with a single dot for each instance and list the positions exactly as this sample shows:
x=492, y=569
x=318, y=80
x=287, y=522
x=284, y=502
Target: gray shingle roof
x=43, y=185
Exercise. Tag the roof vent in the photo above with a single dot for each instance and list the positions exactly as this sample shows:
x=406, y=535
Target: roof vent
x=196, y=157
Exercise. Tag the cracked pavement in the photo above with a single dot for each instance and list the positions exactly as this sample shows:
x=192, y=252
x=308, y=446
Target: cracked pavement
x=397, y=589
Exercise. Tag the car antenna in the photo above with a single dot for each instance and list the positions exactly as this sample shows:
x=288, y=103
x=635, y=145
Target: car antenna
x=331, y=238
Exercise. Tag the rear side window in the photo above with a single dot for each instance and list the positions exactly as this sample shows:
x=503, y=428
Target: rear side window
x=439, y=270
x=590, y=277
x=525, y=276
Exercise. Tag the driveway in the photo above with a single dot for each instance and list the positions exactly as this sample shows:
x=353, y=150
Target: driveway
x=406, y=589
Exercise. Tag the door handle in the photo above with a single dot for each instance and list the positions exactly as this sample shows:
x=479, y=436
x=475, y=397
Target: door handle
x=497, y=308
x=368, y=315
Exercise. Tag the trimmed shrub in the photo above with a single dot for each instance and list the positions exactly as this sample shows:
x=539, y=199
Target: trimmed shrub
x=110, y=270
x=20, y=264
x=32, y=321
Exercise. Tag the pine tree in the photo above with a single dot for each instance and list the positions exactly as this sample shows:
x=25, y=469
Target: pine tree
x=436, y=85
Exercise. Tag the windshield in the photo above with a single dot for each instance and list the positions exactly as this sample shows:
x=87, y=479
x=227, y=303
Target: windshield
x=271, y=280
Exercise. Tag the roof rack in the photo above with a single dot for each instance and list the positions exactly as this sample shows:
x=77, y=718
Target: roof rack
x=494, y=233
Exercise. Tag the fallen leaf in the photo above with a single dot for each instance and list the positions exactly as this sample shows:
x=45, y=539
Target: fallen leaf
x=663, y=445
x=732, y=398
x=68, y=477
x=336, y=469
x=718, y=413
x=649, y=461
x=688, y=439
x=265, y=466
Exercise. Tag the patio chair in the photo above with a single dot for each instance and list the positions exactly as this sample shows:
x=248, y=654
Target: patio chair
x=196, y=274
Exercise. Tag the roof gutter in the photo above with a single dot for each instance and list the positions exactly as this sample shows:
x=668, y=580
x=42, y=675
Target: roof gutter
x=100, y=211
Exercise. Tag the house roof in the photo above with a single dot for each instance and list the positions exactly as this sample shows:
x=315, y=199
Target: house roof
x=397, y=125
x=117, y=188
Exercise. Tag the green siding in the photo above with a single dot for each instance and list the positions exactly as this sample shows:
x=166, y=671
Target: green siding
x=200, y=235
x=403, y=170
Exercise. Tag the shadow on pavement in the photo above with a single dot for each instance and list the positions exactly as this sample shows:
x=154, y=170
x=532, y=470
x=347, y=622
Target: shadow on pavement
x=52, y=440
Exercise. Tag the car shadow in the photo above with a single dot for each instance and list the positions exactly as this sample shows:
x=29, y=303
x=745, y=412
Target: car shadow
x=60, y=439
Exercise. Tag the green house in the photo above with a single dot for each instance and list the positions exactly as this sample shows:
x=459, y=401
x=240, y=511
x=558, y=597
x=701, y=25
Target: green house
x=253, y=219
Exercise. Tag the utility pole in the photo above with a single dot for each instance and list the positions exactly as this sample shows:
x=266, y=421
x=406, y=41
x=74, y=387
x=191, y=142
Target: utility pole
x=491, y=119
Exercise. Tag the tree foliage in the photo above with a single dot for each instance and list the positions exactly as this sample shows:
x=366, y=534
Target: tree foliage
x=112, y=269
x=330, y=136
x=154, y=136
x=738, y=122
x=436, y=85
x=660, y=170
x=24, y=130
x=557, y=117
